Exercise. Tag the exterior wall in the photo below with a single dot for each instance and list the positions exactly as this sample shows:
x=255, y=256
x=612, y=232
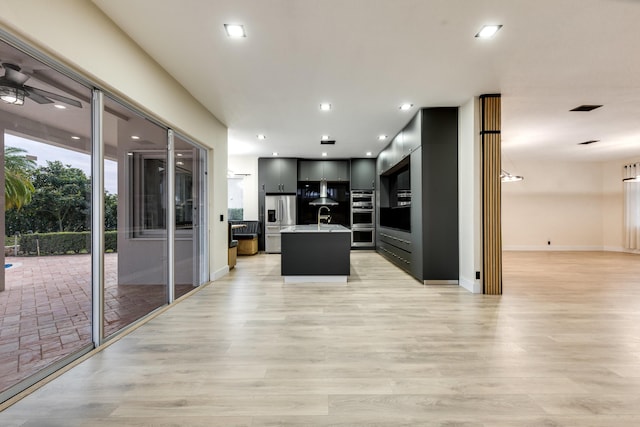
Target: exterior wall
x=76, y=33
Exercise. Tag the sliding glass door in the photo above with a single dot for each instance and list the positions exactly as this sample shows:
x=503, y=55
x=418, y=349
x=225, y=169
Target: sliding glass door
x=45, y=285
x=190, y=185
x=103, y=218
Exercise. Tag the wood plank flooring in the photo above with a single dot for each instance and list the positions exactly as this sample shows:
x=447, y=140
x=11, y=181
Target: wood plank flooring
x=561, y=347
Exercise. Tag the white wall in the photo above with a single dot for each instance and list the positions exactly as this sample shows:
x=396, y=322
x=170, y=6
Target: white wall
x=578, y=206
x=612, y=206
x=77, y=34
x=469, y=196
x=247, y=166
x=558, y=202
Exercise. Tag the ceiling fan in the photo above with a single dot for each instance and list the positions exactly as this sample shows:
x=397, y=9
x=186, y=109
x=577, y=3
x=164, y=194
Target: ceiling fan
x=13, y=89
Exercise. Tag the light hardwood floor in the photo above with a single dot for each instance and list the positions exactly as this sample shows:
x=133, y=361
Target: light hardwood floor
x=561, y=347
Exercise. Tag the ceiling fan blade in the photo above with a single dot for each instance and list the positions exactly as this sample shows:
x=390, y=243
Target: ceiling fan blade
x=60, y=98
x=38, y=98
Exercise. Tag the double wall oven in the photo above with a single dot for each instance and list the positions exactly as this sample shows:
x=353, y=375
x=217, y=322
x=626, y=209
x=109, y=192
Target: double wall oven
x=362, y=218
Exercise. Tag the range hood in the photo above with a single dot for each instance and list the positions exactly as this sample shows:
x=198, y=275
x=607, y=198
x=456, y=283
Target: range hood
x=323, y=200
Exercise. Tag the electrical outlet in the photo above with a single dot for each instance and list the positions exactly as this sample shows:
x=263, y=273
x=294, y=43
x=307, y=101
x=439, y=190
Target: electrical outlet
x=477, y=275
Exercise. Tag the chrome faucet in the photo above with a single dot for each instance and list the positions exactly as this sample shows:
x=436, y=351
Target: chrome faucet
x=325, y=217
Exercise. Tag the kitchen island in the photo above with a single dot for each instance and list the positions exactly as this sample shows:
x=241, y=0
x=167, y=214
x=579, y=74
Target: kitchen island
x=315, y=253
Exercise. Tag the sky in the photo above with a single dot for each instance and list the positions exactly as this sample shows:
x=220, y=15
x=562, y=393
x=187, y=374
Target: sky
x=46, y=152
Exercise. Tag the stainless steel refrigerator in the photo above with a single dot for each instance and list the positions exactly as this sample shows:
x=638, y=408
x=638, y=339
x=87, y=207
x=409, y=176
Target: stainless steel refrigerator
x=280, y=212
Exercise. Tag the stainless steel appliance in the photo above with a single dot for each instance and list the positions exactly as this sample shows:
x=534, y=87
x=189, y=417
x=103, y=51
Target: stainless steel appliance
x=280, y=212
x=362, y=219
x=362, y=199
x=362, y=237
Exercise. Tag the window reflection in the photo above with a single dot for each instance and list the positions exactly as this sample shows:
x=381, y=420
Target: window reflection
x=148, y=207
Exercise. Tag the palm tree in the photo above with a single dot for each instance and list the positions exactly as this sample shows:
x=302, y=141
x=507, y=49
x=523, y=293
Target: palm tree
x=18, y=188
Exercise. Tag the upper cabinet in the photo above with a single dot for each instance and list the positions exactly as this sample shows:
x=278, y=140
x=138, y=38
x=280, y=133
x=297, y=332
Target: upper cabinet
x=402, y=145
x=318, y=170
x=310, y=170
x=411, y=136
x=278, y=175
x=363, y=174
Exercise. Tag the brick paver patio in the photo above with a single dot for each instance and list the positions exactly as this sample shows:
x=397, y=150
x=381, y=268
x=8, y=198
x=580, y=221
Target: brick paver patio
x=45, y=310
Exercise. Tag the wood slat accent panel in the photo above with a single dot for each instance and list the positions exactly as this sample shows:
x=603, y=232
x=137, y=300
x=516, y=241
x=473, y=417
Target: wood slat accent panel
x=491, y=188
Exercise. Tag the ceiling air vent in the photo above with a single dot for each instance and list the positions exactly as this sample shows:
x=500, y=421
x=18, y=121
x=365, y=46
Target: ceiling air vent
x=586, y=108
x=328, y=142
x=588, y=142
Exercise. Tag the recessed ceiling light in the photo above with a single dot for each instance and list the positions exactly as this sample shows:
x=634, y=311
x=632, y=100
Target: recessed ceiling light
x=324, y=154
x=179, y=163
x=235, y=31
x=75, y=137
x=274, y=153
x=406, y=107
x=129, y=153
x=382, y=137
x=135, y=137
x=325, y=106
x=325, y=137
x=179, y=154
x=488, y=31
x=261, y=136
x=60, y=107
x=586, y=107
x=369, y=153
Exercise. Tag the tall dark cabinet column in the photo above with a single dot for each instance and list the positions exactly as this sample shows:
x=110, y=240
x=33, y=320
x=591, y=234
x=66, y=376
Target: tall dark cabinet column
x=418, y=197
x=440, y=195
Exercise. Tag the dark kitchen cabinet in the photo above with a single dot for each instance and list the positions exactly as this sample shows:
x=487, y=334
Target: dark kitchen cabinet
x=278, y=175
x=417, y=177
x=330, y=170
x=310, y=170
x=363, y=174
x=341, y=171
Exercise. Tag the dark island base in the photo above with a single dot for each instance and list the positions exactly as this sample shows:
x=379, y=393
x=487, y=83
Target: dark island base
x=315, y=257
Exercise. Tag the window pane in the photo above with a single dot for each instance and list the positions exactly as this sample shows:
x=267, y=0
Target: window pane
x=189, y=211
x=136, y=258
x=235, y=193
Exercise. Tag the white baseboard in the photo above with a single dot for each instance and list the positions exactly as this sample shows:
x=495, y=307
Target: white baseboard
x=572, y=248
x=552, y=248
x=473, y=286
x=220, y=273
x=621, y=249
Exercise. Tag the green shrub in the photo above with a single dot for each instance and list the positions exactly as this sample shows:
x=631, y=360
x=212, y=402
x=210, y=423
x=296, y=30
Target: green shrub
x=64, y=243
x=111, y=241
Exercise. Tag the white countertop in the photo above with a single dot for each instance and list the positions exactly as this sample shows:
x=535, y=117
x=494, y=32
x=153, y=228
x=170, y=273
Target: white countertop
x=314, y=228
